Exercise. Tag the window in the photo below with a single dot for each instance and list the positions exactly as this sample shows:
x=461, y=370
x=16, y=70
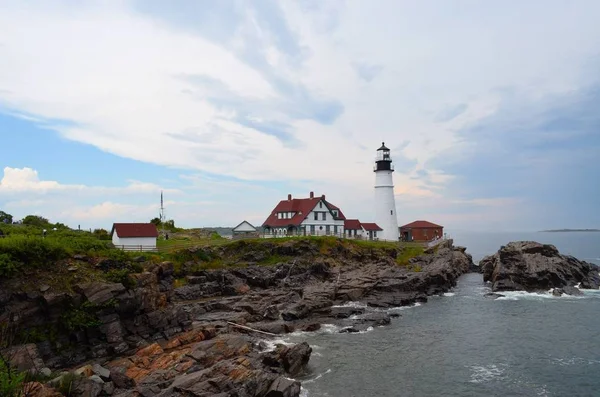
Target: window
x=327, y=230
x=391, y=212
x=320, y=204
x=316, y=216
x=324, y=215
x=335, y=229
x=312, y=229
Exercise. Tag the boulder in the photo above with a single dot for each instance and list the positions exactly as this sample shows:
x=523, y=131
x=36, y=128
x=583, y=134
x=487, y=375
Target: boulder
x=531, y=266
x=295, y=358
x=284, y=387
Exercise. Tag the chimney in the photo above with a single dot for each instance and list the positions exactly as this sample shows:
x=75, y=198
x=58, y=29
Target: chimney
x=289, y=197
x=323, y=197
x=312, y=194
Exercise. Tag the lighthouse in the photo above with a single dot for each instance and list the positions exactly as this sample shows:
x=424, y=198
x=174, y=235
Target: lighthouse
x=385, y=204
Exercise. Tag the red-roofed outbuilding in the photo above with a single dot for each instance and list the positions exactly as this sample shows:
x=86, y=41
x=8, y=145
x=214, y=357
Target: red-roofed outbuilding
x=134, y=236
x=421, y=231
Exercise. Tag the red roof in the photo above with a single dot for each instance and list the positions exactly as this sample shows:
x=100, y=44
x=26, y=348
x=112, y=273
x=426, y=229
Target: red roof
x=302, y=208
x=371, y=227
x=420, y=225
x=352, y=224
x=135, y=230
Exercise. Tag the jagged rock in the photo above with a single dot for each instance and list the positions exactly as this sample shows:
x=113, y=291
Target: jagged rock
x=568, y=290
x=108, y=388
x=82, y=387
x=121, y=380
x=98, y=293
x=295, y=358
x=345, y=312
x=283, y=387
x=25, y=357
x=493, y=295
x=531, y=266
x=374, y=319
x=101, y=371
x=271, y=313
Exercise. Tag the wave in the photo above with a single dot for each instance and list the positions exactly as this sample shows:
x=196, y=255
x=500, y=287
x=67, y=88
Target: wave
x=400, y=308
x=574, y=361
x=483, y=374
x=524, y=295
x=449, y=294
x=319, y=376
x=355, y=304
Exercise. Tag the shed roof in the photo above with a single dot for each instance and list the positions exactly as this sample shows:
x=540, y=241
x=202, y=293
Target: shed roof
x=135, y=230
x=352, y=224
x=420, y=225
x=371, y=227
x=242, y=223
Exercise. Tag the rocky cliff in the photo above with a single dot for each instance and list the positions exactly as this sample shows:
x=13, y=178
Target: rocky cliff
x=531, y=266
x=203, y=338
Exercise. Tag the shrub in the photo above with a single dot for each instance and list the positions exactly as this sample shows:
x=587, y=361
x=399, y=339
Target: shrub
x=11, y=380
x=66, y=384
x=8, y=267
x=31, y=251
x=120, y=276
x=82, y=317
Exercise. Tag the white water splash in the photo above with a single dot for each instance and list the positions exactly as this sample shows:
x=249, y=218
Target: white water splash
x=272, y=344
x=449, y=294
x=482, y=374
x=354, y=304
x=319, y=376
x=400, y=308
x=524, y=295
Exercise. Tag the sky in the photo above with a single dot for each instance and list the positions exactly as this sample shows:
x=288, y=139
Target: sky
x=490, y=109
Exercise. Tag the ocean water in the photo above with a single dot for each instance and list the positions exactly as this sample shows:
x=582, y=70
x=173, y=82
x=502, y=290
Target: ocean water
x=464, y=344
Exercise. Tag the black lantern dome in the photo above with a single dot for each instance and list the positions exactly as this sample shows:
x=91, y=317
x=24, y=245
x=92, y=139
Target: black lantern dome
x=383, y=160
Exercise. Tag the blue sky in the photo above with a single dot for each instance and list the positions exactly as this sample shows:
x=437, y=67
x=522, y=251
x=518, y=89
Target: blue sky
x=490, y=110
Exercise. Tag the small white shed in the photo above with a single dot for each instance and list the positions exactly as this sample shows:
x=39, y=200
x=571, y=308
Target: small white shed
x=245, y=229
x=134, y=236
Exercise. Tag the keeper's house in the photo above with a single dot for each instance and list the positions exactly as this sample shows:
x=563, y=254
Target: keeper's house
x=312, y=216
x=134, y=236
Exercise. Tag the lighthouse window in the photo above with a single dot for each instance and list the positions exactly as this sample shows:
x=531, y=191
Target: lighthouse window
x=391, y=212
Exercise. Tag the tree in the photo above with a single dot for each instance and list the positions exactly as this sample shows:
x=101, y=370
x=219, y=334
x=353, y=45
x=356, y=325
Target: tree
x=5, y=218
x=36, y=220
x=155, y=221
x=102, y=234
x=170, y=224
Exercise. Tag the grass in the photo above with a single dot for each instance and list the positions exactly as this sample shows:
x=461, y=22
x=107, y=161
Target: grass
x=407, y=252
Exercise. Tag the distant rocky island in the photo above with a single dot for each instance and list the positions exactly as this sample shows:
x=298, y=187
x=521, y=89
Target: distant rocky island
x=569, y=230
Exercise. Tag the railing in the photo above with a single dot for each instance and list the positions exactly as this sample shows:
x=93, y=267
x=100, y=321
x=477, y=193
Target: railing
x=135, y=247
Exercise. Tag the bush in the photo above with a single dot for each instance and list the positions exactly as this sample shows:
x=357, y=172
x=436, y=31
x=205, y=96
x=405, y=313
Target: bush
x=8, y=267
x=31, y=251
x=11, y=380
x=121, y=276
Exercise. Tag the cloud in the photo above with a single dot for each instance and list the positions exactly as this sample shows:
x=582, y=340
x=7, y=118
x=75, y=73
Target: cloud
x=275, y=93
x=367, y=72
x=26, y=180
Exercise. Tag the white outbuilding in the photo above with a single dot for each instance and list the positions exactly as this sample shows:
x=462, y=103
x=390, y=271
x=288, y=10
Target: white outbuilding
x=134, y=236
x=245, y=229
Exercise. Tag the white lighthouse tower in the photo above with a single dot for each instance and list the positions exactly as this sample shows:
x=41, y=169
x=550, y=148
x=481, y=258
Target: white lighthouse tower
x=385, y=204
